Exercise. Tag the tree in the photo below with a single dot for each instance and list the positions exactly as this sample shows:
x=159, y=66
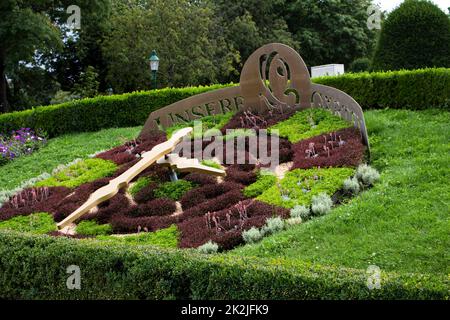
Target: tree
x=333, y=31
x=24, y=29
x=249, y=24
x=182, y=32
x=415, y=35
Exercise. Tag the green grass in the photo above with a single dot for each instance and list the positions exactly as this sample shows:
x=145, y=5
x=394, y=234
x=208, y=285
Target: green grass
x=402, y=224
x=79, y=173
x=164, y=238
x=299, y=186
x=39, y=223
x=92, y=228
x=309, y=123
x=62, y=150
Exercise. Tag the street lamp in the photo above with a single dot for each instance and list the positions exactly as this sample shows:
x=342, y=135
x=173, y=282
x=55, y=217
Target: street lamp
x=154, y=65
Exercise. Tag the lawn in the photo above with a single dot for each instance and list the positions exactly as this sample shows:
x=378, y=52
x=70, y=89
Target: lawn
x=399, y=225
x=62, y=150
x=402, y=224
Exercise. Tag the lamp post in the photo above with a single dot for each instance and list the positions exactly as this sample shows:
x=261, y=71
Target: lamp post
x=154, y=65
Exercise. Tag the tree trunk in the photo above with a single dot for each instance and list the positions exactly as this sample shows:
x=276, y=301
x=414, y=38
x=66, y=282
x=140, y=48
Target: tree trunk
x=4, y=105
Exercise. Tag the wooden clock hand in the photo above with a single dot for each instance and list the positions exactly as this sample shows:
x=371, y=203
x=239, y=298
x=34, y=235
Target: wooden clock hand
x=111, y=189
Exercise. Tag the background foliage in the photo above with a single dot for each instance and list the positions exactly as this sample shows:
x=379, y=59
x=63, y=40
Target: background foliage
x=419, y=89
x=415, y=35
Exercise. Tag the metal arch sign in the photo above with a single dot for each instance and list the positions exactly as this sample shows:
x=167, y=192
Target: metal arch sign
x=274, y=76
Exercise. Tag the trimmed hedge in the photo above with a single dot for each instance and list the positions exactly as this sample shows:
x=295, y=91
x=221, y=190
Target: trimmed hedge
x=34, y=267
x=93, y=114
x=417, y=89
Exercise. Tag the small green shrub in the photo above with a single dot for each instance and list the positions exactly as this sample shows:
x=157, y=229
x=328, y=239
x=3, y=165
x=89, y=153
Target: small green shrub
x=79, y=173
x=92, y=228
x=212, y=164
x=351, y=185
x=174, y=189
x=273, y=225
x=309, y=123
x=39, y=223
x=367, y=175
x=299, y=186
x=321, y=204
x=140, y=183
x=300, y=212
x=164, y=238
x=252, y=235
x=208, y=248
x=264, y=182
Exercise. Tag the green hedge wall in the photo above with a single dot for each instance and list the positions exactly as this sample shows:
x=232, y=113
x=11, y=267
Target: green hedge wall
x=131, y=109
x=417, y=89
x=34, y=267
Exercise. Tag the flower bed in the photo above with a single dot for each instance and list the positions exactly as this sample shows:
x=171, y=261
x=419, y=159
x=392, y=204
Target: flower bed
x=20, y=143
x=201, y=211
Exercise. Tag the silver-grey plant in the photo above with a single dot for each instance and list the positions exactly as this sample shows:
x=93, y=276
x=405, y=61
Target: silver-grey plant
x=273, y=225
x=208, y=248
x=252, y=235
x=351, y=185
x=300, y=212
x=367, y=175
x=321, y=204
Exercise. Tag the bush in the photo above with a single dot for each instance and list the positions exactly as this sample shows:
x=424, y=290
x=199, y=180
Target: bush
x=272, y=226
x=321, y=204
x=415, y=35
x=163, y=238
x=173, y=190
x=39, y=223
x=309, y=123
x=93, y=114
x=208, y=248
x=299, y=186
x=367, y=175
x=360, y=65
x=300, y=212
x=139, y=185
x=91, y=228
x=80, y=173
x=34, y=267
x=252, y=235
x=157, y=207
x=416, y=90
x=431, y=88
x=351, y=185
x=264, y=182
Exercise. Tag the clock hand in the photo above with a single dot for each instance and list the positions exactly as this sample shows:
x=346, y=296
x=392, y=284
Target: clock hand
x=111, y=189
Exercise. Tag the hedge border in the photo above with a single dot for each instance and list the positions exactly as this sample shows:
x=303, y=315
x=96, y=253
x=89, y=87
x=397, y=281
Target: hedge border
x=416, y=89
x=34, y=267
